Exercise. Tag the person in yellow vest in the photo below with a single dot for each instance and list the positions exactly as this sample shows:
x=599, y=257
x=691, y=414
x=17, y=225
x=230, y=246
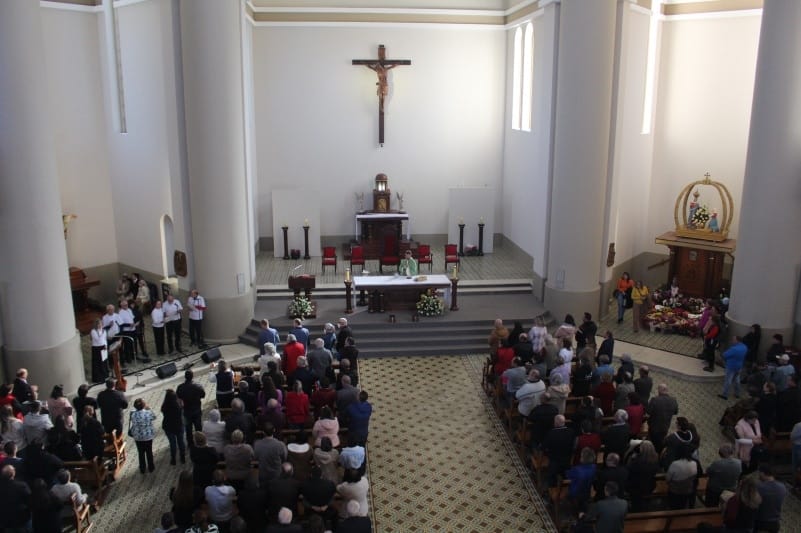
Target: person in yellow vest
x=639, y=295
x=408, y=265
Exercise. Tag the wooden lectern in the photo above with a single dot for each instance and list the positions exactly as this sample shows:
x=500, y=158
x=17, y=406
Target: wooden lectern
x=305, y=282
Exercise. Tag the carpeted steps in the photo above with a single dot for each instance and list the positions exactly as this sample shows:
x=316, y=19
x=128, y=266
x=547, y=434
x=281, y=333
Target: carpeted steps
x=430, y=336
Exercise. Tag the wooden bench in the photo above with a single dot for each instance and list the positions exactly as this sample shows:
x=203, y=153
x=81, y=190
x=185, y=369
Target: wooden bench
x=92, y=473
x=80, y=516
x=115, y=449
x=683, y=520
x=779, y=444
x=559, y=493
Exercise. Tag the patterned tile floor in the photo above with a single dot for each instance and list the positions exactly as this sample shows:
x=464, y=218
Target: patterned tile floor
x=439, y=459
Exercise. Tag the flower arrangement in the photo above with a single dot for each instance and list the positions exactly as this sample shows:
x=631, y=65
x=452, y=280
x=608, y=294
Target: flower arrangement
x=664, y=298
x=672, y=320
x=700, y=217
x=300, y=307
x=430, y=305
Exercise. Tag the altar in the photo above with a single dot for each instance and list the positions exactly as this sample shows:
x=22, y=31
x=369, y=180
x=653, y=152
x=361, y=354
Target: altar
x=370, y=226
x=398, y=292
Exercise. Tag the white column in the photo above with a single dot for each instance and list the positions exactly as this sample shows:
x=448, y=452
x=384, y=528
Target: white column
x=35, y=298
x=767, y=266
x=214, y=104
x=581, y=153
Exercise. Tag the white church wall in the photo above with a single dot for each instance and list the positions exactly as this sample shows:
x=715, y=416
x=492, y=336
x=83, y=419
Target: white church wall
x=78, y=126
x=627, y=197
x=148, y=178
x=704, y=109
x=526, y=163
x=316, y=118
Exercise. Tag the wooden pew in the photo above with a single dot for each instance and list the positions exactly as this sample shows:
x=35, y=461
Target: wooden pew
x=91, y=473
x=779, y=444
x=683, y=520
x=116, y=450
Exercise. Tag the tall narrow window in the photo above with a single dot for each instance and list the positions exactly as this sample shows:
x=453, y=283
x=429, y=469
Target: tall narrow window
x=516, y=76
x=528, y=77
x=650, y=68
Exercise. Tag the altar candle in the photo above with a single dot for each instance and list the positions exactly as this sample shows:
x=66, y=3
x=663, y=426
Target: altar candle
x=347, y=274
x=481, y=220
x=461, y=220
x=306, y=222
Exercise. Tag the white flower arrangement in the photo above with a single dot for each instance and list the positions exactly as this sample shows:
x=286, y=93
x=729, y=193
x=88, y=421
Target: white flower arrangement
x=300, y=307
x=430, y=305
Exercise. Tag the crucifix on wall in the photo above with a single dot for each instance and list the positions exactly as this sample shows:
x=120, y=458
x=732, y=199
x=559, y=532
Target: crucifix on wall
x=381, y=66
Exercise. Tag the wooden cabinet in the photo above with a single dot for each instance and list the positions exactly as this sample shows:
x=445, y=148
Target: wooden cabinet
x=698, y=265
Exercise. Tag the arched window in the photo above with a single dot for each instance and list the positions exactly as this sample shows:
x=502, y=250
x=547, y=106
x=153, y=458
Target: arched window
x=516, y=78
x=528, y=77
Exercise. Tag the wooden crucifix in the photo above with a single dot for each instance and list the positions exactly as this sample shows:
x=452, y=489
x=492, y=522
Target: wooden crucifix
x=381, y=66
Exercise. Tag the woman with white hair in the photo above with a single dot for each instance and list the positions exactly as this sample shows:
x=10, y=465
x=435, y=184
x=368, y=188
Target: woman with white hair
x=214, y=430
x=559, y=391
x=329, y=337
x=270, y=354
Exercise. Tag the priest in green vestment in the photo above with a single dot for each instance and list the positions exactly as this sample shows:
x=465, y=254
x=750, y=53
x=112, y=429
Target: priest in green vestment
x=408, y=265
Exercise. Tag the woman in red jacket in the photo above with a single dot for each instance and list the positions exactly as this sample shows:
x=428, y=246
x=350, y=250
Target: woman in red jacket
x=711, y=343
x=297, y=406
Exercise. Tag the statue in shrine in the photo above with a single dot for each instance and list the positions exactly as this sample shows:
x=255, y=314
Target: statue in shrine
x=693, y=210
x=713, y=222
x=399, y=196
x=360, y=201
x=697, y=220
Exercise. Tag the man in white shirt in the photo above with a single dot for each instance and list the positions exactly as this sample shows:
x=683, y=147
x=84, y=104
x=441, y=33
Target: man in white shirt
x=196, y=304
x=111, y=323
x=157, y=318
x=127, y=332
x=172, y=320
x=529, y=394
x=35, y=424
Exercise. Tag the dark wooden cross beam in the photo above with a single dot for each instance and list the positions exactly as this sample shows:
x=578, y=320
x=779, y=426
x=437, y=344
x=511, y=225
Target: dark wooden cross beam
x=381, y=66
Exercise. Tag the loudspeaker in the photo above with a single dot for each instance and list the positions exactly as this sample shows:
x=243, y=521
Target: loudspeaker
x=211, y=356
x=166, y=371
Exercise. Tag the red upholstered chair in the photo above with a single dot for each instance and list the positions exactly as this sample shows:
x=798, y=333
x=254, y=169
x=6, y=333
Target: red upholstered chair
x=330, y=257
x=356, y=257
x=451, y=254
x=424, y=256
x=389, y=256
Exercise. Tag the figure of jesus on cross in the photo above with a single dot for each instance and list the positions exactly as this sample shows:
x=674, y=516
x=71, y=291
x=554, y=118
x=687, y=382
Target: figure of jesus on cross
x=381, y=66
